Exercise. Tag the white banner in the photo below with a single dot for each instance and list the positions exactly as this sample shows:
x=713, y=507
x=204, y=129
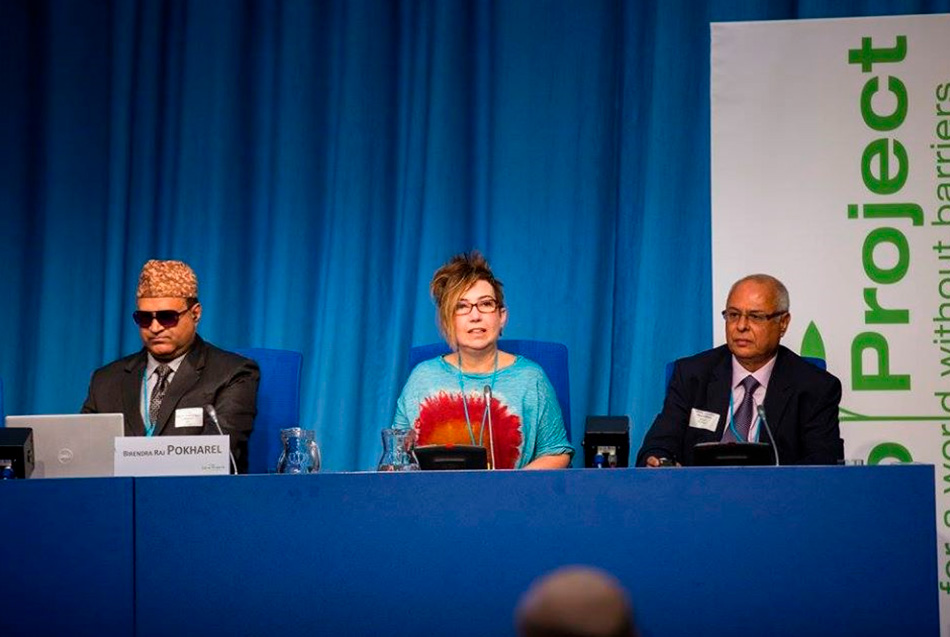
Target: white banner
x=831, y=171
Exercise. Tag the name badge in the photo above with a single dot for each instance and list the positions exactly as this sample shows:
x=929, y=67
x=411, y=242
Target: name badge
x=190, y=417
x=703, y=419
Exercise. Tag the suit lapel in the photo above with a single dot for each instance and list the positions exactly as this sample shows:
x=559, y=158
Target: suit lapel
x=720, y=387
x=778, y=392
x=132, y=395
x=188, y=374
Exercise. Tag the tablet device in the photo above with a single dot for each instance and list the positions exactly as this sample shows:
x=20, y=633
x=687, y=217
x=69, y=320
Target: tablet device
x=732, y=454
x=449, y=457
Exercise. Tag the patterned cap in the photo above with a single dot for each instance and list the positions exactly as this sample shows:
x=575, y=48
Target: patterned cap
x=167, y=279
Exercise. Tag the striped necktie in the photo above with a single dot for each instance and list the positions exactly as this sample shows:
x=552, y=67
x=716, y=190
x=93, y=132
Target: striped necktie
x=742, y=418
x=155, y=402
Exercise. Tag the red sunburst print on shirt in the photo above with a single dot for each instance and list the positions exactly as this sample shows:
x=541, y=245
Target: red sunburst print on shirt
x=442, y=422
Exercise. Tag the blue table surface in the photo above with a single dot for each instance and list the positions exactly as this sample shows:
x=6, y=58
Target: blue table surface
x=787, y=551
x=777, y=551
x=66, y=550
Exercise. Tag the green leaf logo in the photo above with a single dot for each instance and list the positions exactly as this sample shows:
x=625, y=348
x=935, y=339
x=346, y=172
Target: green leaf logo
x=889, y=451
x=812, y=344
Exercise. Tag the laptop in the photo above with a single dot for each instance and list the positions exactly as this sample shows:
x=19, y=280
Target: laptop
x=73, y=446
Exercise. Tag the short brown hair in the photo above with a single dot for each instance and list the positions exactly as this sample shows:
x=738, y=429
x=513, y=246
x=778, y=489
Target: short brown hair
x=576, y=601
x=452, y=280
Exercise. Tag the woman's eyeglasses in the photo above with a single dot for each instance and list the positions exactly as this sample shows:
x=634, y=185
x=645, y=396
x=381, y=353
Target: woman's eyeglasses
x=485, y=306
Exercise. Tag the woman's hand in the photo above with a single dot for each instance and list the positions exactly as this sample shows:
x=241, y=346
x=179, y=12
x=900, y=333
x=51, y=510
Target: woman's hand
x=559, y=461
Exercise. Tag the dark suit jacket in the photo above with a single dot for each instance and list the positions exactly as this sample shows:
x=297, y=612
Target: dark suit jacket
x=207, y=376
x=801, y=405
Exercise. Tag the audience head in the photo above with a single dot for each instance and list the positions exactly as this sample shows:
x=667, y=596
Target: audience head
x=575, y=601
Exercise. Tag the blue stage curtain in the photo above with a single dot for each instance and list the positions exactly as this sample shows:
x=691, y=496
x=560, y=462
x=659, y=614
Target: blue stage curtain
x=315, y=162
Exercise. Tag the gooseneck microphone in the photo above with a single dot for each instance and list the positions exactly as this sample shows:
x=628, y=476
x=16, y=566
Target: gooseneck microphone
x=761, y=411
x=491, y=439
x=213, y=414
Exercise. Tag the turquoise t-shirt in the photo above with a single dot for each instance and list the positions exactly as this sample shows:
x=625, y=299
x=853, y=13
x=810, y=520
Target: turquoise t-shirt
x=526, y=418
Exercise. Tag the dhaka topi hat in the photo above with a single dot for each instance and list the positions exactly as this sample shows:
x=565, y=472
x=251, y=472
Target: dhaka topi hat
x=161, y=279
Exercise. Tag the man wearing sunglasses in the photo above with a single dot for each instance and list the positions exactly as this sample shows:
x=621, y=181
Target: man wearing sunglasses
x=164, y=389
x=715, y=396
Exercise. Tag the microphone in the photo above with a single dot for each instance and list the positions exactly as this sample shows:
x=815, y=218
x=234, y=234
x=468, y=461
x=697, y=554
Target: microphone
x=213, y=414
x=491, y=440
x=761, y=411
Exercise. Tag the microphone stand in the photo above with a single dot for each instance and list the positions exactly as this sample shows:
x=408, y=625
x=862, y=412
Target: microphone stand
x=491, y=440
x=213, y=414
x=761, y=411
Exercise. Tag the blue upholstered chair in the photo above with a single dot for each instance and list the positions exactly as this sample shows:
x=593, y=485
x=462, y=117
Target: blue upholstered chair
x=552, y=357
x=278, y=404
x=820, y=363
x=3, y=414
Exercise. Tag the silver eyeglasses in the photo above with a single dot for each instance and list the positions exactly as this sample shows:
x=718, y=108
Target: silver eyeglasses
x=757, y=318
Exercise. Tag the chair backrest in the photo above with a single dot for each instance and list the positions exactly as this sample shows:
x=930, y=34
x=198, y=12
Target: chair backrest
x=552, y=357
x=278, y=404
x=820, y=363
x=3, y=414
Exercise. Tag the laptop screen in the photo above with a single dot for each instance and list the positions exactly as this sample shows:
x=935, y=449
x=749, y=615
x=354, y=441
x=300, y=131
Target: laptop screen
x=73, y=445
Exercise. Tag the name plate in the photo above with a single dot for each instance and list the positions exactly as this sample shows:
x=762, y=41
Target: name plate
x=137, y=456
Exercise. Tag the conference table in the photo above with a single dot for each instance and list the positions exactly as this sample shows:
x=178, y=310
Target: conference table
x=717, y=551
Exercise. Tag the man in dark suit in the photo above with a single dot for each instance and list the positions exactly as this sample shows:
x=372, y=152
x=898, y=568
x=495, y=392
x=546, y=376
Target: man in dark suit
x=164, y=388
x=713, y=396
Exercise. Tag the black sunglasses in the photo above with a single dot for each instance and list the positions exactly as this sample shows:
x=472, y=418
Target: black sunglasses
x=165, y=318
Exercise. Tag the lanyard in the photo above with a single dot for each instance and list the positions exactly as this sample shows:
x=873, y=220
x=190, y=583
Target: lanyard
x=468, y=422
x=149, y=425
